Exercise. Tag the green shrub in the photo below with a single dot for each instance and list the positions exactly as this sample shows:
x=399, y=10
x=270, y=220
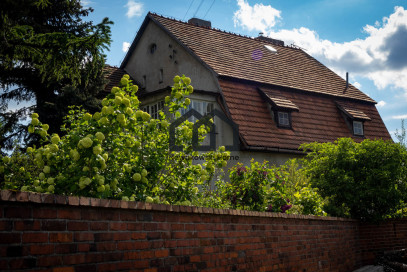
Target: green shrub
x=257, y=187
x=366, y=180
x=120, y=152
x=304, y=198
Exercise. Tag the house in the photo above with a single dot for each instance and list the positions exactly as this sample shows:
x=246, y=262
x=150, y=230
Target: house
x=278, y=95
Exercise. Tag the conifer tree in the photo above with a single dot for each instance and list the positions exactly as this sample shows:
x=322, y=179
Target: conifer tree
x=51, y=55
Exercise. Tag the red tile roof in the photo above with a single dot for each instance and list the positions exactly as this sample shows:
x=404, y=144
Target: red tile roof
x=247, y=58
x=113, y=76
x=318, y=118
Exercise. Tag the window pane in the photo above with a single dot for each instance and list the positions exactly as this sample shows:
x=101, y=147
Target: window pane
x=283, y=119
x=357, y=128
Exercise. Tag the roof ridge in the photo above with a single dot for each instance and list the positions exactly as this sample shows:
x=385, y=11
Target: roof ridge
x=292, y=46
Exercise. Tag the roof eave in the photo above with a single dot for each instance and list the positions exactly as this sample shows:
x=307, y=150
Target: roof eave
x=273, y=150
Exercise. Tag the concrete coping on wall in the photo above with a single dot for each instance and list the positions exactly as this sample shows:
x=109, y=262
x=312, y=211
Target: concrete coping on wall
x=17, y=196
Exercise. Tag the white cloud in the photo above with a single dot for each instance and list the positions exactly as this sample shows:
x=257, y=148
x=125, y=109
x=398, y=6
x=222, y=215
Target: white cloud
x=125, y=46
x=357, y=85
x=258, y=17
x=134, y=9
x=400, y=116
x=381, y=104
x=380, y=57
x=86, y=3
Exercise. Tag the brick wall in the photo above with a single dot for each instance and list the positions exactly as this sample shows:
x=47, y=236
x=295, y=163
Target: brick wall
x=42, y=232
x=385, y=236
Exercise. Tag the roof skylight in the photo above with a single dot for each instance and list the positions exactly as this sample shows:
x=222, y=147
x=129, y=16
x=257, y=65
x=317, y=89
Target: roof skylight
x=271, y=49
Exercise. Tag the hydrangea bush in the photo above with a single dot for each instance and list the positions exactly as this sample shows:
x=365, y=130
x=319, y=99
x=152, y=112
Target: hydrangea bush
x=119, y=152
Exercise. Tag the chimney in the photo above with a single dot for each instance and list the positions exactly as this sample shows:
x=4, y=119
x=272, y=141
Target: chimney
x=200, y=22
x=271, y=40
x=347, y=80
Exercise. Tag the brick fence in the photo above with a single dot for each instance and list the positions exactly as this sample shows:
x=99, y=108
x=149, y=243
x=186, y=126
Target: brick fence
x=40, y=232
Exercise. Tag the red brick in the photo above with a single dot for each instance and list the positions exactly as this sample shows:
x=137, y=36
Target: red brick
x=35, y=197
x=92, y=215
x=64, y=237
x=66, y=248
x=135, y=226
x=99, y=226
x=153, y=235
x=78, y=225
x=53, y=225
x=49, y=261
x=6, y=225
x=69, y=214
x=138, y=236
x=17, y=212
x=162, y=253
x=73, y=200
x=84, y=236
x=41, y=249
x=27, y=225
x=44, y=213
x=84, y=201
x=49, y=199
x=195, y=259
x=146, y=254
x=117, y=226
x=60, y=199
x=35, y=237
x=63, y=269
x=22, y=196
x=122, y=236
x=95, y=202
x=7, y=195
x=74, y=259
x=83, y=247
x=106, y=246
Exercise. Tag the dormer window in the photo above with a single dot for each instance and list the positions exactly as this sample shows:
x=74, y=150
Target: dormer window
x=358, y=128
x=281, y=108
x=283, y=119
x=354, y=118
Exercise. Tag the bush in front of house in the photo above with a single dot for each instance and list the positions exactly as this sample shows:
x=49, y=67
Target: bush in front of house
x=366, y=180
x=120, y=152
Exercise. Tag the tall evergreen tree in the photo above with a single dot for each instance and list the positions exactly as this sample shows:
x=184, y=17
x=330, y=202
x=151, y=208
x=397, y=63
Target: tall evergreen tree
x=50, y=55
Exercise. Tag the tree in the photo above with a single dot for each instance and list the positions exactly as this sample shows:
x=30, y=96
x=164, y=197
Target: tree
x=48, y=54
x=366, y=180
x=401, y=136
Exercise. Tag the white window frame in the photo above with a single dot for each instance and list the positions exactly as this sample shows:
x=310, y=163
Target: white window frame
x=201, y=106
x=154, y=109
x=358, y=128
x=283, y=119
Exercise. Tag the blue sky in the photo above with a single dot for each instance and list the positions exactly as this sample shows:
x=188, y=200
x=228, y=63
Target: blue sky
x=367, y=38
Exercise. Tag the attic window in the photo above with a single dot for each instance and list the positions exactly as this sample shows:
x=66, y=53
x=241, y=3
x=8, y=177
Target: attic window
x=281, y=108
x=354, y=118
x=283, y=119
x=153, y=48
x=358, y=128
x=271, y=49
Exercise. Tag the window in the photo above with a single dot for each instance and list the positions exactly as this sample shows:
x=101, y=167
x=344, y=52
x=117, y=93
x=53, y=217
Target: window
x=202, y=107
x=144, y=83
x=153, y=48
x=358, y=128
x=154, y=109
x=161, y=79
x=354, y=117
x=283, y=119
